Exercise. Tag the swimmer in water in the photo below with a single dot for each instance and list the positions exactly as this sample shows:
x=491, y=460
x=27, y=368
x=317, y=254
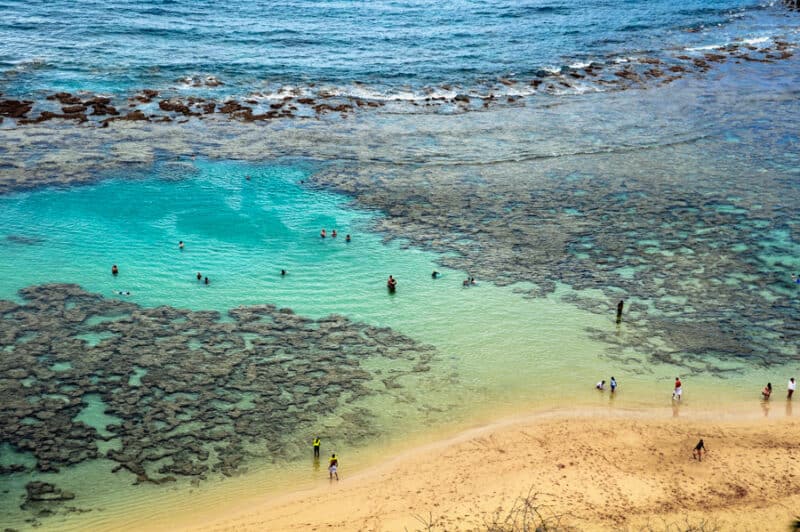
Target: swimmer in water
x=465, y=282
x=206, y=281
x=333, y=233
x=114, y=270
x=347, y=238
x=283, y=272
x=435, y=274
x=123, y=293
x=199, y=277
x=391, y=284
x=247, y=177
x=472, y=280
x=180, y=244
x=323, y=234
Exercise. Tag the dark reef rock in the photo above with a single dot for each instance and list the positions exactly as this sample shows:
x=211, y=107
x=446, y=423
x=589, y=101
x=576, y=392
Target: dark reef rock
x=205, y=388
x=15, y=108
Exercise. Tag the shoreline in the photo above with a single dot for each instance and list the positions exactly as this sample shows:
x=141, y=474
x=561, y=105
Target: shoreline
x=586, y=467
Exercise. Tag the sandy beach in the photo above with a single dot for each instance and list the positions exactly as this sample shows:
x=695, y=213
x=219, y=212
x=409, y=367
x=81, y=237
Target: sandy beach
x=585, y=470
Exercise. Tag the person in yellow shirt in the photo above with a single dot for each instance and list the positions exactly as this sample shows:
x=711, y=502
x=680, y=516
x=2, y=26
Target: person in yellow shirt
x=316, y=447
x=333, y=466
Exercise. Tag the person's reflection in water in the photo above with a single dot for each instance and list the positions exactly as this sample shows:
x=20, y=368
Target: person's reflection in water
x=676, y=409
x=765, y=408
x=316, y=464
x=788, y=409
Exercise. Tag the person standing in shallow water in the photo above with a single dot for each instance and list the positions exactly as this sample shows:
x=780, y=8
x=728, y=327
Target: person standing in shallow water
x=199, y=276
x=114, y=270
x=391, y=284
x=767, y=391
x=791, y=388
x=316, y=447
x=620, y=306
x=613, y=384
x=333, y=467
x=678, y=391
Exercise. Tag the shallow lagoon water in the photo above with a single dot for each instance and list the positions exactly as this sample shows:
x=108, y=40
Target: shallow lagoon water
x=497, y=352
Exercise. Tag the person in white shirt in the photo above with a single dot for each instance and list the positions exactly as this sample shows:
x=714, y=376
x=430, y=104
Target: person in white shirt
x=792, y=386
x=600, y=385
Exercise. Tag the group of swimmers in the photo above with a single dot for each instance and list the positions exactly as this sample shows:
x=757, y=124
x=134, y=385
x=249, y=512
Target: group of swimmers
x=334, y=234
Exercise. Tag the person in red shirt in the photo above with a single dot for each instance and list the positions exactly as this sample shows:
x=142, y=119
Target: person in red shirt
x=678, y=391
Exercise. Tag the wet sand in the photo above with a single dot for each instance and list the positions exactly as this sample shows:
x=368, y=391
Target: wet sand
x=589, y=469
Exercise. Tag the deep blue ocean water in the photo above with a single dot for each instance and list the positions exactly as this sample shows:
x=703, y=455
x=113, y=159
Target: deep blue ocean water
x=383, y=46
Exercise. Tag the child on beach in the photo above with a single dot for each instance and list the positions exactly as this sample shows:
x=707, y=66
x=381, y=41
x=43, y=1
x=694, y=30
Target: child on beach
x=333, y=466
x=600, y=385
x=698, y=450
x=678, y=391
x=613, y=384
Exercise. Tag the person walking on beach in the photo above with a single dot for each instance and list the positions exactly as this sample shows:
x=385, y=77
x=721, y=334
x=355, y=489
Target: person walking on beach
x=333, y=466
x=678, y=391
x=613, y=384
x=767, y=391
x=698, y=450
x=792, y=386
x=316, y=447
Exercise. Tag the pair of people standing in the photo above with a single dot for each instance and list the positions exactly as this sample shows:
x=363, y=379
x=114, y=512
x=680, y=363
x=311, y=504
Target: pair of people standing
x=767, y=391
x=602, y=385
x=333, y=462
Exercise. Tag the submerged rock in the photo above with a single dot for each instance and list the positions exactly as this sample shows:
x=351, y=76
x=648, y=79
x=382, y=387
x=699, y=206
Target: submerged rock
x=203, y=396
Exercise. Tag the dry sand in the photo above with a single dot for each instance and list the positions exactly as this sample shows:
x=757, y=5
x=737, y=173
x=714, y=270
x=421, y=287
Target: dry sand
x=623, y=470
